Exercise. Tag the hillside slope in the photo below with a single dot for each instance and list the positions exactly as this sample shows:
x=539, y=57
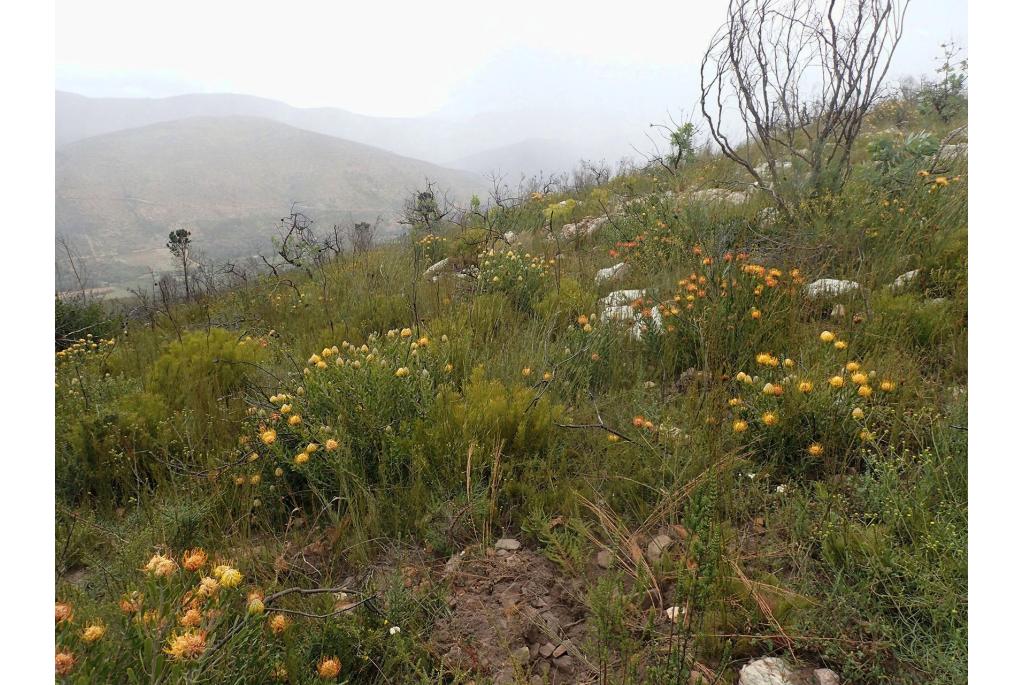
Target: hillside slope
x=229, y=180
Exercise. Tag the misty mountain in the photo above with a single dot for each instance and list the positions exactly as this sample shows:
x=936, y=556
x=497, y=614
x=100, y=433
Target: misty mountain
x=228, y=179
x=534, y=157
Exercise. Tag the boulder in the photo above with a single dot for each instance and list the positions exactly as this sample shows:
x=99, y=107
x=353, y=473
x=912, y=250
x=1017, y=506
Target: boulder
x=657, y=546
x=712, y=195
x=775, y=671
x=583, y=228
x=830, y=287
x=949, y=153
x=617, y=306
x=612, y=273
x=507, y=544
x=434, y=270
x=903, y=280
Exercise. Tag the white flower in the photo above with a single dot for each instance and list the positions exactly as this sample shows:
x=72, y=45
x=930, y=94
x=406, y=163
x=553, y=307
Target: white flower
x=394, y=630
x=781, y=489
x=674, y=613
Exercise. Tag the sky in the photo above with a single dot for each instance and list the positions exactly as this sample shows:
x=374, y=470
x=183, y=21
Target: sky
x=393, y=59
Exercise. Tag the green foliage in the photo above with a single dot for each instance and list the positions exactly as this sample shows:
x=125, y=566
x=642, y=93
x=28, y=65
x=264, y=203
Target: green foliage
x=74, y=319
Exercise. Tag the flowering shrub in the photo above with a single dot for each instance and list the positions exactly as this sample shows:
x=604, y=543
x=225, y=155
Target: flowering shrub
x=518, y=276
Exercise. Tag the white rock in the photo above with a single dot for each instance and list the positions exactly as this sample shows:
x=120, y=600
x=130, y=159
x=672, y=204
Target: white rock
x=508, y=544
x=583, y=228
x=621, y=297
x=719, y=195
x=510, y=236
x=763, y=168
x=611, y=273
x=903, y=280
x=617, y=306
x=830, y=286
x=434, y=269
x=826, y=676
x=767, y=671
x=948, y=153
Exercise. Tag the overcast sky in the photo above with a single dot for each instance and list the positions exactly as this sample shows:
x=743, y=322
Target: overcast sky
x=410, y=59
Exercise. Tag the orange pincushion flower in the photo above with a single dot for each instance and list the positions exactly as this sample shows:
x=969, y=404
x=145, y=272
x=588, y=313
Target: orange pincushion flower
x=815, y=449
x=193, y=559
x=278, y=623
x=64, y=661
x=328, y=668
x=63, y=612
x=188, y=645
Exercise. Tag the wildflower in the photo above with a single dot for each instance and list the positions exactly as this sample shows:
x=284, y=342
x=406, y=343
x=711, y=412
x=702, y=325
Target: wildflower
x=285, y=408
x=781, y=489
x=193, y=559
x=673, y=613
x=188, y=645
x=587, y=328
x=255, y=606
x=255, y=479
x=772, y=389
x=852, y=367
x=612, y=437
x=887, y=386
x=941, y=181
x=278, y=472
x=867, y=435
x=815, y=449
x=401, y=372
x=231, y=577
x=301, y=458
x=735, y=401
x=836, y=381
x=582, y=320
x=859, y=378
x=755, y=314
x=331, y=445
x=280, y=673
x=93, y=632
x=827, y=336
x=160, y=566
x=788, y=363
x=239, y=480
x=64, y=662
x=741, y=377
x=769, y=418
x=278, y=623
x=448, y=368
x=527, y=371
x=839, y=344
x=805, y=387
x=857, y=413
x=191, y=618
x=294, y=420
x=739, y=426
x=321, y=364
x=63, y=612
x=311, y=447
x=268, y=436
x=328, y=669
x=638, y=421
x=547, y=376
x=394, y=630
x=207, y=587
x=406, y=333
x=864, y=391
x=594, y=357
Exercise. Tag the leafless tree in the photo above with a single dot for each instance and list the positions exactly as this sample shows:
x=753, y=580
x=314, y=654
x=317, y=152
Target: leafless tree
x=800, y=75
x=361, y=235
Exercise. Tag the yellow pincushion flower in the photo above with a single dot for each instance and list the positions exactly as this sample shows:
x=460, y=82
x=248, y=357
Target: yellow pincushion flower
x=827, y=336
x=805, y=386
x=548, y=376
x=402, y=372
x=286, y=408
x=788, y=363
x=857, y=413
x=294, y=420
x=312, y=447
x=160, y=566
x=815, y=449
x=769, y=418
x=612, y=437
x=406, y=332
x=864, y=391
x=836, y=381
x=527, y=371
x=301, y=458
x=255, y=606
x=93, y=632
x=852, y=366
x=859, y=378
x=839, y=344
x=739, y=426
x=278, y=472
x=231, y=577
x=268, y=436
x=314, y=359
x=887, y=386
x=867, y=435
x=331, y=445
x=328, y=668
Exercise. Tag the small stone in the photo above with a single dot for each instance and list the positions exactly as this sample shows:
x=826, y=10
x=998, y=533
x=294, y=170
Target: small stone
x=826, y=676
x=559, y=651
x=658, y=545
x=563, y=663
x=546, y=650
x=767, y=671
x=508, y=544
x=604, y=558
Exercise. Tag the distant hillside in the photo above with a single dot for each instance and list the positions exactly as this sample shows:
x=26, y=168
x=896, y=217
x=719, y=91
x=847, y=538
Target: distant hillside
x=229, y=180
x=532, y=157
x=490, y=140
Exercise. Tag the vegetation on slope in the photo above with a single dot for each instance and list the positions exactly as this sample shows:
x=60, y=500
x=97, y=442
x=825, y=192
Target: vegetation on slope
x=331, y=432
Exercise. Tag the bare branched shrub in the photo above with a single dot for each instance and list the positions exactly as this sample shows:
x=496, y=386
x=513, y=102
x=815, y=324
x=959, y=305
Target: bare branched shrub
x=799, y=75
x=361, y=235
